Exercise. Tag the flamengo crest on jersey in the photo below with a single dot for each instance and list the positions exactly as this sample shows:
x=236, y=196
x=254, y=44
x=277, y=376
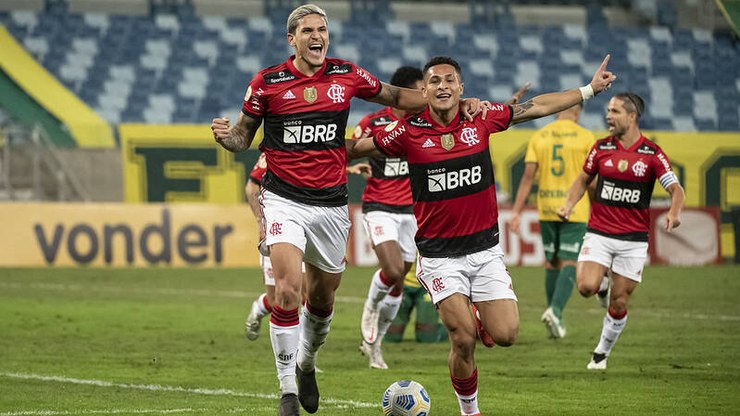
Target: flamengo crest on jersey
x=626, y=178
x=452, y=181
x=305, y=118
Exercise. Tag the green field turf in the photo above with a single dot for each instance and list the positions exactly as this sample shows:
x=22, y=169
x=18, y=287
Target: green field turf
x=163, y=341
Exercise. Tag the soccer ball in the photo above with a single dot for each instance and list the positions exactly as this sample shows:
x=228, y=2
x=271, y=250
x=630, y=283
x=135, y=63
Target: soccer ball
x=406, y=398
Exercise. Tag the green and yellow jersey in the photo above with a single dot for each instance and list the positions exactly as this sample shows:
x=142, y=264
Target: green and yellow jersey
x=410, y=278
x=559, y=149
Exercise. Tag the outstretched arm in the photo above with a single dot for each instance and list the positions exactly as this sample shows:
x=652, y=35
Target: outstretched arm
x=546, y=104
x=575, y=193
x=362, y=148
x=413, y=102
x=521, y=196
x=407, y=99
x=236, y=138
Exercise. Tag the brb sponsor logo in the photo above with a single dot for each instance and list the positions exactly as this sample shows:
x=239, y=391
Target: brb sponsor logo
x=296, y=132
x=611, y=192
x=447, y=181
x=396, y=167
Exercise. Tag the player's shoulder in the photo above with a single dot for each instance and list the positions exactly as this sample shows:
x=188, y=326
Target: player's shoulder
x=379, y=118
x=418, y=121
x=276, y=74
x=336, y=66
x=607, y=143
x=648, y=147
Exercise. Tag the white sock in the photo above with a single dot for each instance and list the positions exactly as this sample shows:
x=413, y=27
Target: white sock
x=387, y=310
x=258, y=307
x=610, y=333
x=285, y=345
x=377, y=290
x=468, y=404
x=314, y=330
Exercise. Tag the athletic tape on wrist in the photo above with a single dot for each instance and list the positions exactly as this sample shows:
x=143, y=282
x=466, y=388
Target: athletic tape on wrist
x=586, y=92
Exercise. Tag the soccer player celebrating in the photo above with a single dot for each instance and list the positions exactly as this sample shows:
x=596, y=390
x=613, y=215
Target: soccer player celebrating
x=555, y=155
x=454, y=195
x=627, y=165
x=304, y=103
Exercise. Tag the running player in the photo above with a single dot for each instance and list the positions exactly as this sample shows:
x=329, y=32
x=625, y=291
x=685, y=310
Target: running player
x=305, y=105
x=390, y=223
x=453, y=190
x=627, y=165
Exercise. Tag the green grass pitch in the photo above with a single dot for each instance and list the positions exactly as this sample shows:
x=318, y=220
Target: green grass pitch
x=164, y=341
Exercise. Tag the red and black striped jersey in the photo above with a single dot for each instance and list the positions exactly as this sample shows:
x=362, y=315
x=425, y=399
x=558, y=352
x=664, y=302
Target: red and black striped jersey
x=259, y=169
x=625, y=185
x=452, y=183
x=305, y=119
x=388, y=187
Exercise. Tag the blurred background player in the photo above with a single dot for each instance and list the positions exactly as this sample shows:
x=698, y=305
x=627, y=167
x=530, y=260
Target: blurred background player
x=262, y=306
x=390, y=223
x=555, y=156
x=427, y=328
x=627, y=165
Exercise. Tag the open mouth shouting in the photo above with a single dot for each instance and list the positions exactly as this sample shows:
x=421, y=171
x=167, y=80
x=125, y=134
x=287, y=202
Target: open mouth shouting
x=316, y=50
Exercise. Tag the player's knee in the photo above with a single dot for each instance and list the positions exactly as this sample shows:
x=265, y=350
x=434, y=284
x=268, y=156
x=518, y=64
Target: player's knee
x=463, y=343
x=585, y=288
x=618, y=305
x=394, y=334
x=288, y=297
x=507, y=337
x=394, y=272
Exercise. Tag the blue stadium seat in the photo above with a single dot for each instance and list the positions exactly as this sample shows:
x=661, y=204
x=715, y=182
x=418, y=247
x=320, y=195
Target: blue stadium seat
x=491, y=50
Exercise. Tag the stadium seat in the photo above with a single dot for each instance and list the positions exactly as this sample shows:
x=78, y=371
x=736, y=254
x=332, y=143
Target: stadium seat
x=688, y=77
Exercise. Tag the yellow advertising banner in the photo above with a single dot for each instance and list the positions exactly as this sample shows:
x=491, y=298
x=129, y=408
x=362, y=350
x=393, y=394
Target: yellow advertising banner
x=181, y=163
x=122, y=235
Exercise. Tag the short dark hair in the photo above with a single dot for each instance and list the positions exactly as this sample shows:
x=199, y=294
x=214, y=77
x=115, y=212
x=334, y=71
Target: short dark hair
x=406, y=77
x=633, y=103
x=443, y=60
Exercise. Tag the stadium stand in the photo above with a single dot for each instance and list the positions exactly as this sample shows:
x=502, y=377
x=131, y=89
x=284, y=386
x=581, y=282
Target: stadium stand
x=170, y=65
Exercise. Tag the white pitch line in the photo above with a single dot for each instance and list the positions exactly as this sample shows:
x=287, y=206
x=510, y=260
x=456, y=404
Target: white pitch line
x=107, y=412
x=178, y=389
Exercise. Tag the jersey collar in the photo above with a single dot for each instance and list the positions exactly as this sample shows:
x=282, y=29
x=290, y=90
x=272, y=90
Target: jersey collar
x=634, y=146
x=299, y=74
x=426, y=115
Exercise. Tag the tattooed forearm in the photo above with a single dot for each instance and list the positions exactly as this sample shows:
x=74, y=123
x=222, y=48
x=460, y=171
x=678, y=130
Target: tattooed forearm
x=520, y=109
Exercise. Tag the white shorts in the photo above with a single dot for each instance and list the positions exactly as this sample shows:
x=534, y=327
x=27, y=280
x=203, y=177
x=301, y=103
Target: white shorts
x=267, y=270
x=320, y=232
x=384, y=226
x=481, y=276
x=626, y=258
